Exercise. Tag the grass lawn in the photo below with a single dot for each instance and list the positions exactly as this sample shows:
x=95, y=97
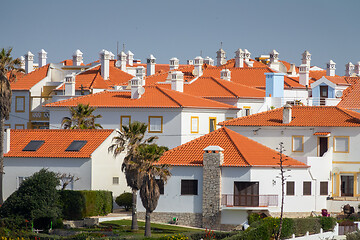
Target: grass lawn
x=123, y=228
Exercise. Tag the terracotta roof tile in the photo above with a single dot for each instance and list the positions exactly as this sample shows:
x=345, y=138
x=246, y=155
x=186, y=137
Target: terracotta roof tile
x=56, y=142
x=29, y=80
x=314, y=116
x=351, y=97
x=154, y=97
x=239, y=151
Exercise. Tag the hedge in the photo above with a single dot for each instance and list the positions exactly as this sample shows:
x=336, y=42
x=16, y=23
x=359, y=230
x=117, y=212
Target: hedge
x=81, y=204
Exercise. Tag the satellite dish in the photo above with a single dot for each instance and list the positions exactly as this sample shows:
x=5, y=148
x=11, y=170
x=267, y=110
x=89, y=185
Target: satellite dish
x=338, y=94
x=141, y=91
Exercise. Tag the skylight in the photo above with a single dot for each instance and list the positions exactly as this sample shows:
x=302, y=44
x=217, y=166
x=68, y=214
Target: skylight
x=33, y=145
x=75, y=146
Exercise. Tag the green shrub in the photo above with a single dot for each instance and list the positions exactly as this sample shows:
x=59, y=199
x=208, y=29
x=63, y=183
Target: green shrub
x=201, y=235
x=124, y=200
x=36, y=198
x=253, y=217
x=80, y=204
x=303, y=225
x=327, y=223
x=353, y=236
x=14, y=223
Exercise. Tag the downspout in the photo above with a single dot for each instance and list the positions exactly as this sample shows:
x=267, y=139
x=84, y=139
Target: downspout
x=315, y=187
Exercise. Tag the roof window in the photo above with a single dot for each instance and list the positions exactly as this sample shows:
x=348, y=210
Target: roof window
x=33, y=145
x=76, y=146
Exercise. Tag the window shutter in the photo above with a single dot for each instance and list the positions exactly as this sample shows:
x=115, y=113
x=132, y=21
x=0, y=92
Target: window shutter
x=323, y=188
x=306, y=188
x=290, y=188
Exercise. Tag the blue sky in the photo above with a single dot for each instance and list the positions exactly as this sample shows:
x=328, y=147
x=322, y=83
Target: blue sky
x=183, y=29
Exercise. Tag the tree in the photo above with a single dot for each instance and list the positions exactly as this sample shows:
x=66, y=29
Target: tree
x=149, y=155
x=128, y=139
x=66, y=179
x=81, y=118
x=283, y=178
x=8, y=66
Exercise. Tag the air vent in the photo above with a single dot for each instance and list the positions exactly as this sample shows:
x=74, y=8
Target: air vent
x=76, y=146
x=33, y=145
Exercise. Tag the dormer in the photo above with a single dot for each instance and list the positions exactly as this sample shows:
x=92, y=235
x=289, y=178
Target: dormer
x=239, y=58
x=130, y=58
x=225, y=74
x=220, y=57
x=198, y=63
x=330, y=68
x=150, y=65
x=174, y=63
x=77, y=58
x=29, y=62
x=42, y=58
x=349, y=69
x=306, y=58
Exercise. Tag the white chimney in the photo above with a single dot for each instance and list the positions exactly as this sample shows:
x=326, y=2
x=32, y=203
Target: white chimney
x=209, y=61
x=77, y=58
x=247, y=55
x=239, y=58
x=150, y=65
x=29, y=62
x=250, y=64
x=292, y=70
x=349, y=69
x=70, y=85
x=330, y=68
x=225, y=74
x=6, y=140
x=174, y=63
x=105, y=64
x=22, y=62
x=287, y=114
x=274, y=60
x=121, y=61
x=190, y=62
x=130, y=58
x=42, y=58
x=198, y=63
x=140, y=73
x=220, y=57
x=177, y=81
x=112, y=56
x=136, y=89
x=304, y=74
x=357, y=68
x=306, y=58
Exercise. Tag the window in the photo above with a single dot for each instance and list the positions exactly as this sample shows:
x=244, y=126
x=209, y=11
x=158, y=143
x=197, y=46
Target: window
x=323, y=188
x=116, y=180
x=160, y=182
x=125, y=121
x=194, y=124
x=76, y=146
x=306, y=188
x=341, y=144
x=155, y=124
x=7, y=126
x=297, y=143
x=33, y=145
x=189, y=187
x=212, y=124
x=20, y=104
x=246, y=111
x=19, y=126
x=290, y=188
x=20, y=180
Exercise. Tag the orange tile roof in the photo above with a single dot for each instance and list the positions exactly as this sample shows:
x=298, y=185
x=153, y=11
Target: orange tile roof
x=337, y=80
x=69, y=62
x=154, y=97
x=351, y=97
x=321, y=133
x=161, y=76
x=56, y=142
x=302, y=116
x=29, y=80
x=239, y=151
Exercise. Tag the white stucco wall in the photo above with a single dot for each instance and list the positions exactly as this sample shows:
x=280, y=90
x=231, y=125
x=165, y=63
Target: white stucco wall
x=16, y=117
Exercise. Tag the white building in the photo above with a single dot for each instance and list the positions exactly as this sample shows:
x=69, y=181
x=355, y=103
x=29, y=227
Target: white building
x=81, y=153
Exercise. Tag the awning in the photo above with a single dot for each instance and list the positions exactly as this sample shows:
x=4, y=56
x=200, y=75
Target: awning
x=324, y=134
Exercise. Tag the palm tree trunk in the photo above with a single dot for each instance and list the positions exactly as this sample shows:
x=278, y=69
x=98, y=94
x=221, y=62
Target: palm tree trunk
x=134, y=223
x=147, y=224
x=1, y=158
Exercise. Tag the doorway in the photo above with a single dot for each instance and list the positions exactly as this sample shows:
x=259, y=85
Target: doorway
x=347, y=186
x=323, y=145
x=323, y=94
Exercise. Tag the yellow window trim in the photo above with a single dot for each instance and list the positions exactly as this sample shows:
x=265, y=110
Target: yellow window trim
x=334, y=144
x=7, y=125
x=19, y=125
x=16, y=104
x=161, y=117
x=302, y=144
x=214, y=124
x=191, y=126
x=121, y=120
x=229, y=118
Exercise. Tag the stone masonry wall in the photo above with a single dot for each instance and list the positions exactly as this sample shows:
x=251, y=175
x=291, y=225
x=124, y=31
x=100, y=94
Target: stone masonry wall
x=187, y=219
x=211, y=213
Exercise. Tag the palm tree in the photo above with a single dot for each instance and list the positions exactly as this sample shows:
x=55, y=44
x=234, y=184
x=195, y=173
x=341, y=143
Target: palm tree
x=149, y=155
x=81, y=118
x=7, y=65
x=127, y=140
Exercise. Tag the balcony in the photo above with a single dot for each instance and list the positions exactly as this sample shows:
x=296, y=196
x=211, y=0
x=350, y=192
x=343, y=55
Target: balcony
x=39, y=116
x=231, y=200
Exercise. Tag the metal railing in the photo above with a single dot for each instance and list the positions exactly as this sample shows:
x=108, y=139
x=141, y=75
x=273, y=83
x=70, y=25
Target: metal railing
x=40, y=116
x=231, y=200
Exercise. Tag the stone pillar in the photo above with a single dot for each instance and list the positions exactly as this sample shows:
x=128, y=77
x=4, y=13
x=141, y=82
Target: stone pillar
x=211, y=203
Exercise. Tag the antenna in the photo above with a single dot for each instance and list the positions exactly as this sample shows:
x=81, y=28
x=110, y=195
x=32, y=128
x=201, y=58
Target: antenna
x=117, y=48
x=221, y=45
x=200, y=53
x=123, y=47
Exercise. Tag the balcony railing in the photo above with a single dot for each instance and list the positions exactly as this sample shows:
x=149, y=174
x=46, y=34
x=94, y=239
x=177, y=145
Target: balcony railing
x=40, y=116
x=231, y=200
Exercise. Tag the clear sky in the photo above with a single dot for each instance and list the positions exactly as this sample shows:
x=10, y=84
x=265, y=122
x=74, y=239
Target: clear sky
x=184, y=29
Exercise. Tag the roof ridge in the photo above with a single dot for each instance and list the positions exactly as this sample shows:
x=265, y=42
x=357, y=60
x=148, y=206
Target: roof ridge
x=92, y=82
x=249, y=116
x=346, y=111
x=236, y=146
x=162, y=90
x=222, y=85
x=53, y=104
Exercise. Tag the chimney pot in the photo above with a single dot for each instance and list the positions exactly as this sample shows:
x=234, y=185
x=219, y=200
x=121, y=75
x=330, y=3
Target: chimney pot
x=174, y=63
x=177, y=81
x=130, y=58
x=198, y=63
x=304, y=74
x=42, y=58
x=287, y=114
x=29, y=62
x=225, y=74
x=239, y=58
x=70, y=85
x=105, y=57
x=220, y=57
x=330, y=68
x=150, y=65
